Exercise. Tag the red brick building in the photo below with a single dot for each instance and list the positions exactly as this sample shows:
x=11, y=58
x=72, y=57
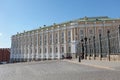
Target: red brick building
x=4, y=54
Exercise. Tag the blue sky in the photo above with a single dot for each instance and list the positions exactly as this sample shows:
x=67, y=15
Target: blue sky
x=19, y=15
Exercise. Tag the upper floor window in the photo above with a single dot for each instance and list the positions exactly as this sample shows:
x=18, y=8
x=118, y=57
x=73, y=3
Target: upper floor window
x=50, y=39
x=69, y=39
x=50, y=35
x=62, y=40
x=45, y=37
x=62, y=37
x=40, y=42
x=40, y=37
x=56, y=40
x=45, y=40
x=62, y=34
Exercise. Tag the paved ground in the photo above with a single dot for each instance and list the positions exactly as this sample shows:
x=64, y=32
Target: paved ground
x=111, y=65
x=55, y=70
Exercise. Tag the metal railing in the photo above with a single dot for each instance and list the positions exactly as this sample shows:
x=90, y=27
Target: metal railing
x=101, y=46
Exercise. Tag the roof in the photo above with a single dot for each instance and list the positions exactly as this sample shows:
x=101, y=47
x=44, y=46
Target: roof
x=84, y=19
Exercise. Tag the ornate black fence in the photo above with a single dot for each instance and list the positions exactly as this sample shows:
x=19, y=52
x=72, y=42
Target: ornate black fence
x=102, y=46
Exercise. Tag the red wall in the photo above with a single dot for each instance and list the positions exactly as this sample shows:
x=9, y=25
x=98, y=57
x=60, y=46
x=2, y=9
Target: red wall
x=4, y=54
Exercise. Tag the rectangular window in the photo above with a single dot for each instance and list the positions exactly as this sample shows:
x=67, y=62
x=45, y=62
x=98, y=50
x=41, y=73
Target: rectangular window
x=90, y=31
x=50, y=39
x=50, y=50
x=62, y=49
x=81, y=32
x=99, y=31
x=40, y=42
x=56, y=34
x=45, y=50
x=62, y=40
x=62, y=37
x=56, y=50
x=69, y=33
x=62, y=34
x=81, y=37
x=69, y=49
x=40, y=50
x=56, y=41
x=69, y=36
x=45, y=40
x=69, y=39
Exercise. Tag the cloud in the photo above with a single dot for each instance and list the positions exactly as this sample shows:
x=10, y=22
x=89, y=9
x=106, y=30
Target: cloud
x=0, y=34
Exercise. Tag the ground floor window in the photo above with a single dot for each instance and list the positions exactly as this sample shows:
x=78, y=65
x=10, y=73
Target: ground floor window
x=69, y=49
x=62, y=50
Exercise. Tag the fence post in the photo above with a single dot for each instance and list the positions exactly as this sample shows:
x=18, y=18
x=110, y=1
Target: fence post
x=100, y=47
x=82, y=50
x=85, y=47
x=94, y=48
x=89, y=49
x=108, y=44
x=119, y=38
x=79, y=53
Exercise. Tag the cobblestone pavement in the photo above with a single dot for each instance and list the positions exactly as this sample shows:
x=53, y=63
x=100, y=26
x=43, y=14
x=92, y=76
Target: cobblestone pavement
x=55, y=70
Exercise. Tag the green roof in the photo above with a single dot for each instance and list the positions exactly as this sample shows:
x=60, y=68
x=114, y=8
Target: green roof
x=84, y=19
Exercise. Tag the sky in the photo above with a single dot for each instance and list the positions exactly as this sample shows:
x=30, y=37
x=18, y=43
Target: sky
x=19, y=15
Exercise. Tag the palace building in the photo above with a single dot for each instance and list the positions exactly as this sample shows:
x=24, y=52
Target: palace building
x=58, y=40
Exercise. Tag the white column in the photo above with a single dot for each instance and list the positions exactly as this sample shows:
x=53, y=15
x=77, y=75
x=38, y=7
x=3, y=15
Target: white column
x=22, y=47
x=65, y=51
x=72, y=43
x=30, y=46
x=59, y=44
x=52, y=43
x=47, y=55
x=32, y=55
x=25, y=47
x=19, y=47
x=42, y=47
x=28, y=54
x=11, y=50
x=37, y=55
